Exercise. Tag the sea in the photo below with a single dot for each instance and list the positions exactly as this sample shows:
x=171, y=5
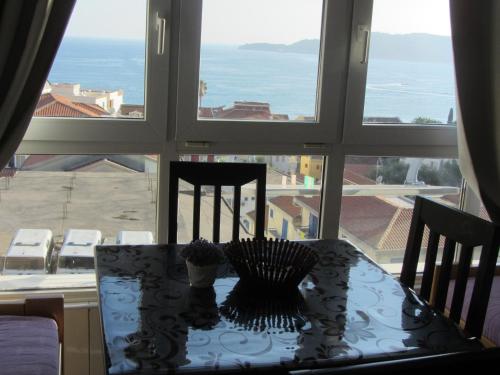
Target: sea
x=287, y=81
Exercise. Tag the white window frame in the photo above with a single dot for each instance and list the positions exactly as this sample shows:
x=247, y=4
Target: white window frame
x=167, y=128
x=330, y=95
x=381, y=134
x=94, y=135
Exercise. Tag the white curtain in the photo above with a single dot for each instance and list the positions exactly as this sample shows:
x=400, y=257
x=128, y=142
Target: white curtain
x=476, y=47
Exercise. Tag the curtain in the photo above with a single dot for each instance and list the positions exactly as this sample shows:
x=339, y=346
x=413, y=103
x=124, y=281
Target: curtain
x=30, y=34
x=476, y=47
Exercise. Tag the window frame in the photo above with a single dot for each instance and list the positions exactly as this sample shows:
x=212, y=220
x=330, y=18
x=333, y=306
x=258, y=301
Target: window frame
x=355, y=132
x=330, y=94
x=86, y=133
x=339, y=133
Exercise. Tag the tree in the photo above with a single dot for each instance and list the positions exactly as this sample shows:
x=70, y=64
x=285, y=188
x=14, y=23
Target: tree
x=392, y=171
x=202, y=91
x=447, y=174
x=425, y=121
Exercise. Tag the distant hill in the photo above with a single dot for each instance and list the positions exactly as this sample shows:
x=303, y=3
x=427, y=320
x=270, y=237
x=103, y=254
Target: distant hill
x=410, y=47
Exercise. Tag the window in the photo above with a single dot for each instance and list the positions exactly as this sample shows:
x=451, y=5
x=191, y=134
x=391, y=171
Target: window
x=309, y=136
x=378, y=198
x=103, y=194
x=402, y=74
x=255, y=70
x=101, y=86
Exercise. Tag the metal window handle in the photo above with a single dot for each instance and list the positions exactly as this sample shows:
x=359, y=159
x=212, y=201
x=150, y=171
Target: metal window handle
x=364, y=34
x=161, y=23
x=315, y=145
x=197, y=144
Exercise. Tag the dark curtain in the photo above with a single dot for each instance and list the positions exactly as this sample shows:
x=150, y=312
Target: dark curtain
x=30, y=34
x=476, y=47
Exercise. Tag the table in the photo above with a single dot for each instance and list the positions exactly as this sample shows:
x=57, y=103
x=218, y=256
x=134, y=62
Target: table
x=347, y=310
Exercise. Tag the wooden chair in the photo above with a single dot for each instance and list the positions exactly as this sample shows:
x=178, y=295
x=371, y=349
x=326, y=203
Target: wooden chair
x=217, y=175
x=457, y=227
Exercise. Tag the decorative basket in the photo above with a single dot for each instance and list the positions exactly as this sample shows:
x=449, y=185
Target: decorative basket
x=256, y=312
x=270, y=264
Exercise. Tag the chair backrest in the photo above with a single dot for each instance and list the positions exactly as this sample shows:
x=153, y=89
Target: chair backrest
x=217, y=175
x=457, y=227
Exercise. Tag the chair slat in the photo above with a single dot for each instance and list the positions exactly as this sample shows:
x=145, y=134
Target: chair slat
x=196, y=211
x=236, y=212
x=430, y=265
x=260, y=203
x=461, y=283
x=217, y=198
x=172, y=210
x=482, y=286
x=412, y=252
x=445, y=274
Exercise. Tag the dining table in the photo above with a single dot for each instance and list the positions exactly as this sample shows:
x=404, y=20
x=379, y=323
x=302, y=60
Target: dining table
x=346, y=311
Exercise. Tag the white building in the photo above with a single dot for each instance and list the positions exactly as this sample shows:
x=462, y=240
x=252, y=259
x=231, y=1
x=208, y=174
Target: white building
x=110, y=101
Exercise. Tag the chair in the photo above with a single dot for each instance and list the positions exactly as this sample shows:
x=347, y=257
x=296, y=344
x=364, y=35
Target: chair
x=217, y=175
x=457, y=227
x=31, y=335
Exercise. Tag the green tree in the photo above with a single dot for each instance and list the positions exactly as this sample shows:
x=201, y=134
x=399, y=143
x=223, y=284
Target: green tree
x=425, y=121
x=447, y=174
x=392, y=171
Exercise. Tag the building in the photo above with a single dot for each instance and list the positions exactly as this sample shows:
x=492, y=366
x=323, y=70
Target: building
x=131, y=110
x=109, y=101
x=312, y=166
x=56, y=105
x=242, y=110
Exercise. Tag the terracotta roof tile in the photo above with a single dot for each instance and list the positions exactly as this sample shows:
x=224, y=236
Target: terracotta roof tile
x=53, y=105
x=366, y=218
x=313, y=202
x=285, y=203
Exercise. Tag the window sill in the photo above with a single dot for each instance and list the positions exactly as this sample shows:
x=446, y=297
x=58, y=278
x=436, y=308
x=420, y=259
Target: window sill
x=76, y=288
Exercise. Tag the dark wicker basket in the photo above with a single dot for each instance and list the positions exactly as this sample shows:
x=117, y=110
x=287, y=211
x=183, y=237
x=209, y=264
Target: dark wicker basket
x=270, y=264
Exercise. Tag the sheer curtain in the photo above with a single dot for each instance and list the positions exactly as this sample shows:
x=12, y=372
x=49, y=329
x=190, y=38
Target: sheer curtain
x=30, y=34
x=476, y=47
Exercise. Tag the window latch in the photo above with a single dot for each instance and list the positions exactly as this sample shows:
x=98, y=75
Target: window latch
x=161, y=23
x=193, y=144
x=315, y=145
x=364, y=35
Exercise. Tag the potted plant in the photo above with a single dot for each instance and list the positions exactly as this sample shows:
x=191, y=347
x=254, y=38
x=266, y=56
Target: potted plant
x=202, y=258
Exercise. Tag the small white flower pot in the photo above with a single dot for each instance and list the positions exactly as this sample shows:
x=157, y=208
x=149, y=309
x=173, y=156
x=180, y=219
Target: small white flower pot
x=201, y=276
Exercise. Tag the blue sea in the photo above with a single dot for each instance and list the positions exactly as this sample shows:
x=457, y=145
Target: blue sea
x=287, y=81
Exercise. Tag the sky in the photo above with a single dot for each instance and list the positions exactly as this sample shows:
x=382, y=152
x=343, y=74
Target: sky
x=252, y=21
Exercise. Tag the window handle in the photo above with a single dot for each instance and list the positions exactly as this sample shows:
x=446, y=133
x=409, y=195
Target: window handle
x=315, y=145
x=364, y=34
x=196, y=144
x=160, y=27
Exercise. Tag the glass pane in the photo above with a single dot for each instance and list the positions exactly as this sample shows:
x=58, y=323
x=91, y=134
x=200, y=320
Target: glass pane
x=410, y=71
x=293, y=199
x=259, y=60
x=52, y=205
x=99, y=68
x=378, y=198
